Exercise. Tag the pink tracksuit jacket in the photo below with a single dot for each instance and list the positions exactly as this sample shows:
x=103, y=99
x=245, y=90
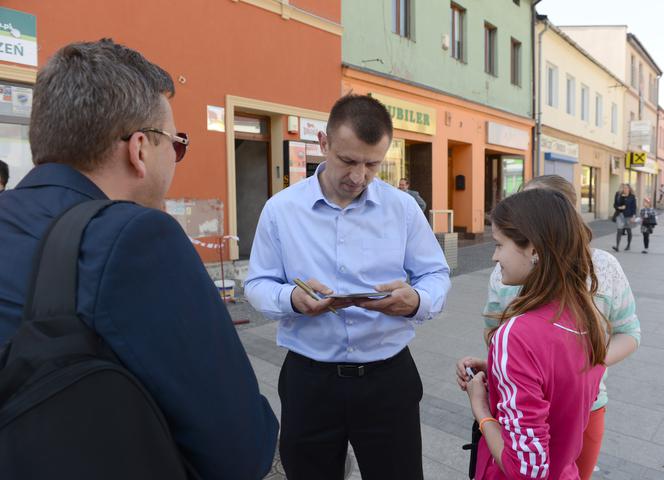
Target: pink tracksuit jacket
x=541, y=391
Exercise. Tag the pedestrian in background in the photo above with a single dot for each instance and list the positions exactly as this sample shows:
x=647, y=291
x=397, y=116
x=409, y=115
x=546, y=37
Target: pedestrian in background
x=626, y=204
x=648, y=217
x=616, y=196
x=615, y=300
x=404, y=186
x=546, y=357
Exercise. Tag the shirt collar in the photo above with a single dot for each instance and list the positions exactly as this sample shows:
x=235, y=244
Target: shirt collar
x=370, y=194
x=61, y=175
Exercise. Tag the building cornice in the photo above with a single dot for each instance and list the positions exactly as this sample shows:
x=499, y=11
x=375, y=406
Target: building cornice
x=290, y=12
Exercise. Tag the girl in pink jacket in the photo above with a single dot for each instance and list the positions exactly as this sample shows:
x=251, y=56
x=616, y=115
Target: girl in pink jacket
x=533, y=395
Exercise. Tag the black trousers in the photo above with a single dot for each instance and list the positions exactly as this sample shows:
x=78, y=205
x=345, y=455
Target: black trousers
x=324, y=406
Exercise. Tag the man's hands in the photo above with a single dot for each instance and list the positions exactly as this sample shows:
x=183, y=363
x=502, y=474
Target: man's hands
x=304, y=304
x=403, y=302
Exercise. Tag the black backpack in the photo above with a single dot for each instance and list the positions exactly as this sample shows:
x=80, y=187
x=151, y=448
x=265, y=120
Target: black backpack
x=68, y=408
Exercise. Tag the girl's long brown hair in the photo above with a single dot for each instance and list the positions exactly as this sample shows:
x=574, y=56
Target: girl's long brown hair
x=547, y=220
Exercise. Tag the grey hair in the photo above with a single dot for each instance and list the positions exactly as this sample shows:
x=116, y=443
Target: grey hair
x=88, y=96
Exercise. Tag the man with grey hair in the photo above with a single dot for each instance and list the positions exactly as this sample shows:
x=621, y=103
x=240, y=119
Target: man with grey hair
x=102, y=128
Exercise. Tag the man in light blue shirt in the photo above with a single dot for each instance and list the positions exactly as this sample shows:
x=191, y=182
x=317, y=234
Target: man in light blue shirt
x=348, y=375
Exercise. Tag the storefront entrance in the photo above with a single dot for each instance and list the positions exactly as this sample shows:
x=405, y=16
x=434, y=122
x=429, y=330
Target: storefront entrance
x=418, y=169
x=589, y=194
x=252, y=176
x=503, y=176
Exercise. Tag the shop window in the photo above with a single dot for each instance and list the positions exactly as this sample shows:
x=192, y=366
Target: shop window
x=515, y=63
x=401, y=17
x=490, y=49
x=588, y=189
x=393, y=167
x=512, y=170
x=15, y=108
x=458, y=32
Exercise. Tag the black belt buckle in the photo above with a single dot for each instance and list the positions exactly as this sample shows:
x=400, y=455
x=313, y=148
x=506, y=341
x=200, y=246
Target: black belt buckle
x=350, y=371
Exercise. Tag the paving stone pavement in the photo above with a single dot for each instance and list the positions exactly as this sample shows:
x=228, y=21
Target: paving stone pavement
x=633, y=446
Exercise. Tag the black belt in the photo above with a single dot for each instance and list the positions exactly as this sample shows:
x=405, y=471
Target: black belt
x=348, y=370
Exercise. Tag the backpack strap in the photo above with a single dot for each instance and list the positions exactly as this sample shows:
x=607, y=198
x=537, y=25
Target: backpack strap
x=53, y=289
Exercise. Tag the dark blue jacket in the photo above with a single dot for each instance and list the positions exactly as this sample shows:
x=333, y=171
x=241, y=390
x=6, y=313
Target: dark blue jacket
x=144, y=289
x=628, y=201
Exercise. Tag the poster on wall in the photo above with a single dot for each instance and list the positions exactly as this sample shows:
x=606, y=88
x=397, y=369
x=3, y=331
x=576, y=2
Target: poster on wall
x=309, y=128
x=215, y=119
x=18, y=34
x=21, y=101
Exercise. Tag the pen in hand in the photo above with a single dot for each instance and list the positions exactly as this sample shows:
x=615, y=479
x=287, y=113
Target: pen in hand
x=309, y=291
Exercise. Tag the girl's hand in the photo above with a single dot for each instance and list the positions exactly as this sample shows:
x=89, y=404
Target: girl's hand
x=476, y=364
x=478, y=396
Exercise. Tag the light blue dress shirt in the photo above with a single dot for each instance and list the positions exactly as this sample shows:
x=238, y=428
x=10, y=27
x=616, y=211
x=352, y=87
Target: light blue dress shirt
x=380, y=237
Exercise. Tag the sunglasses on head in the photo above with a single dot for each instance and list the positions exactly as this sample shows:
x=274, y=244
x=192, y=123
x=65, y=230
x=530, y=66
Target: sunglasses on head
x=180, y=140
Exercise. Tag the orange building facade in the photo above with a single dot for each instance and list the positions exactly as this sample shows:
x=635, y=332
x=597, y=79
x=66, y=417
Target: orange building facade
x=458, y=155
x=252, y=77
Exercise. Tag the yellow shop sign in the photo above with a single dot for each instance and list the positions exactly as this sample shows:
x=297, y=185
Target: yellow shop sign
x=409, y=116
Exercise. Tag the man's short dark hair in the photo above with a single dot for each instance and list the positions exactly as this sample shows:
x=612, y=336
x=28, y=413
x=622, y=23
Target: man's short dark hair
x=366, y=116
x=88, y=96
x=4, y=173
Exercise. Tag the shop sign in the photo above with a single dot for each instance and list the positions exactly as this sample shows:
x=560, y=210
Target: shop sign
x=309, y=128
x=639, y=162
x=506, y=136
x=560, y=147
x=640, y=132
x=18, y=37
x=409, y=116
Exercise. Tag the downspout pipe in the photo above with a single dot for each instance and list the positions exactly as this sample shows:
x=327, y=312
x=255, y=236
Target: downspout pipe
x=538, y=120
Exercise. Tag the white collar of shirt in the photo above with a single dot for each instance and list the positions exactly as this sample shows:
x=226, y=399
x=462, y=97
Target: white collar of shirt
x=370, y=194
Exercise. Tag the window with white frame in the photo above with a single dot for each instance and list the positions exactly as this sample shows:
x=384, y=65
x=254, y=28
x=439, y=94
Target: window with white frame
x=551, y=85
x=401, y=17
x=570, y=104
x=458, y=20
x=614, y=118
x=585, y=103
x=599, y=110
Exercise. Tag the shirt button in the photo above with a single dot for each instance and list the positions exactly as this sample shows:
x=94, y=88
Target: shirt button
x=349, y=322
x=350, y=349
x=342, y=269
x=341, y=240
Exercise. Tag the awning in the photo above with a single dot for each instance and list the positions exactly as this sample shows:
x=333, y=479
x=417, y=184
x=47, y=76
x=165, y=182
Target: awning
x=559, y=157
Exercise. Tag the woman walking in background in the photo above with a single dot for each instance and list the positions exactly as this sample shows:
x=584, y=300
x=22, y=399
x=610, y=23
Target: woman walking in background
x=614, y=299
x=648, y=217
x=625, y=203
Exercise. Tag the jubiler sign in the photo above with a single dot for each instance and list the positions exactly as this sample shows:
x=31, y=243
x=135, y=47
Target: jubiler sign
x=18, y=37
x=409, y=116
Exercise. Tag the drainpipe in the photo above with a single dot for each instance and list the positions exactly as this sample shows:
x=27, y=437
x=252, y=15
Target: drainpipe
x=538, y=120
